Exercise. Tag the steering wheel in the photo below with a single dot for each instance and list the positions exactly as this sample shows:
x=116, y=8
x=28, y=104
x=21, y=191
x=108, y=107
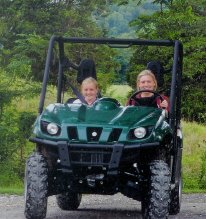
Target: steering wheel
x=142, y=91
x=110, y=100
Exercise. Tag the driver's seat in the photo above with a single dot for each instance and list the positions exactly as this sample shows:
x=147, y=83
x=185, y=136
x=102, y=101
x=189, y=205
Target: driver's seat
x=158, y=70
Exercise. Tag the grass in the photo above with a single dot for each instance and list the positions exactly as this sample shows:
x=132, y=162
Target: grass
x=12, y=190
x=193, y=191
x=194, y=147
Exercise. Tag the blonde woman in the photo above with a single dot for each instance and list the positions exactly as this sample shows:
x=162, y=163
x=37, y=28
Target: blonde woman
x=146, y=81
x=89, y=89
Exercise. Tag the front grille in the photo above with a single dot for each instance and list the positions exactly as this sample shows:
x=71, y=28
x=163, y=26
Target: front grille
x=72, y=133
x=114, y=135
x=93, y=133
x=86, y=156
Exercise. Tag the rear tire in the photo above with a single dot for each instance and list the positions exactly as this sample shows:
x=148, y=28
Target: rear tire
x=155, y=204
x=36, y=187
x=69, y=200
x=176, y=197
x=176, y=193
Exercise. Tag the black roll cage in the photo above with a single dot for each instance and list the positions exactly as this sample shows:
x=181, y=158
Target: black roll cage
x=176, y=83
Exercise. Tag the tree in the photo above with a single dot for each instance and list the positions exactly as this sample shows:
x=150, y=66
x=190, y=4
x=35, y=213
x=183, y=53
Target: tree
x=26, y=27
x=184, y=21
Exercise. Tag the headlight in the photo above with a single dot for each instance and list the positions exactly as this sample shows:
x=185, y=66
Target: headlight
x=140, y=132
x=52, y=128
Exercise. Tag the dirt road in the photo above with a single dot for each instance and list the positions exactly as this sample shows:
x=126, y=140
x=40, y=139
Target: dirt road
x=99, y=207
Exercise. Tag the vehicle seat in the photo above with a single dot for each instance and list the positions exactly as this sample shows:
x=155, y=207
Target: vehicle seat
x=158, y=70
x=86, y=69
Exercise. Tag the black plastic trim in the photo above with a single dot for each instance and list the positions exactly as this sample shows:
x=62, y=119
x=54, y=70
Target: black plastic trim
x=89, y=145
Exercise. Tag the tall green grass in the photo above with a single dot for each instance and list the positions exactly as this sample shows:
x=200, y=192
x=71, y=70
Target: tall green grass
x=194, y=156
x=10, y=182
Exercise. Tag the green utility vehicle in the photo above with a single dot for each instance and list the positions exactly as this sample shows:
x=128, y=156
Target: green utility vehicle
x=106, y=148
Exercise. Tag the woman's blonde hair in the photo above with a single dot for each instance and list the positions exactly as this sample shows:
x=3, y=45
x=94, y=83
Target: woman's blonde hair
x=144, y=73
x=88, y=81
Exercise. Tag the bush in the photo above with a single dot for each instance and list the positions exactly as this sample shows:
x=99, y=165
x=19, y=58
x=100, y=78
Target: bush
x=9, y=176
x=193, y=101
x=15, y=130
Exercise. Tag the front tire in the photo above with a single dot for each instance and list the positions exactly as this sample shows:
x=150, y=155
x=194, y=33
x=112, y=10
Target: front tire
x=36, y=187
x=155, y=204
x=69, y=200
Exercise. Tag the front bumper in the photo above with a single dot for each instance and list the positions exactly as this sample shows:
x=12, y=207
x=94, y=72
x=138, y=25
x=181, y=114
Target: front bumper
x=105, y=155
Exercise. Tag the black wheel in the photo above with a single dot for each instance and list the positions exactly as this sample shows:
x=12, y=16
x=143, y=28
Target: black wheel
x=69, y=200
x=36, y=187
x=176, y=196
x=176, y=193
x=155, y=204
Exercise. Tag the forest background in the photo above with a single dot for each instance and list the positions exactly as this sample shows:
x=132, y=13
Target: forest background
x=25, y=29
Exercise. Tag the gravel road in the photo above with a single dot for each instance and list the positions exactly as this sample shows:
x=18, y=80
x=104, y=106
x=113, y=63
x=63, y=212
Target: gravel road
x=99, y=207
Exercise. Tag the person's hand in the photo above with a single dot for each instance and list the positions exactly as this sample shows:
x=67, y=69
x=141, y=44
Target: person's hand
x=164, y=104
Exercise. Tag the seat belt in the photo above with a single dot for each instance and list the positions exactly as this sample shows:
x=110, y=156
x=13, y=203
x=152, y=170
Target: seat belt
x=66, y=64
x=77, y=93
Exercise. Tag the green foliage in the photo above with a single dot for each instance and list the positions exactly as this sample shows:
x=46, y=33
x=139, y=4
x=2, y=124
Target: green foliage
x=105, y=81
x=9, y=176
x=114, y=21
x=28, y=56
x=193, y=103
x=119, y=92
x=15, y=130
x=26, y=26
x=12, y=87
x=26, y=120
x=184, y=21
x=8, y=134
x=14, y=127
x=6, y=94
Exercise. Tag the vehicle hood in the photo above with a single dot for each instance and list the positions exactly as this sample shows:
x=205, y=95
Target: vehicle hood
x=101, y=114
